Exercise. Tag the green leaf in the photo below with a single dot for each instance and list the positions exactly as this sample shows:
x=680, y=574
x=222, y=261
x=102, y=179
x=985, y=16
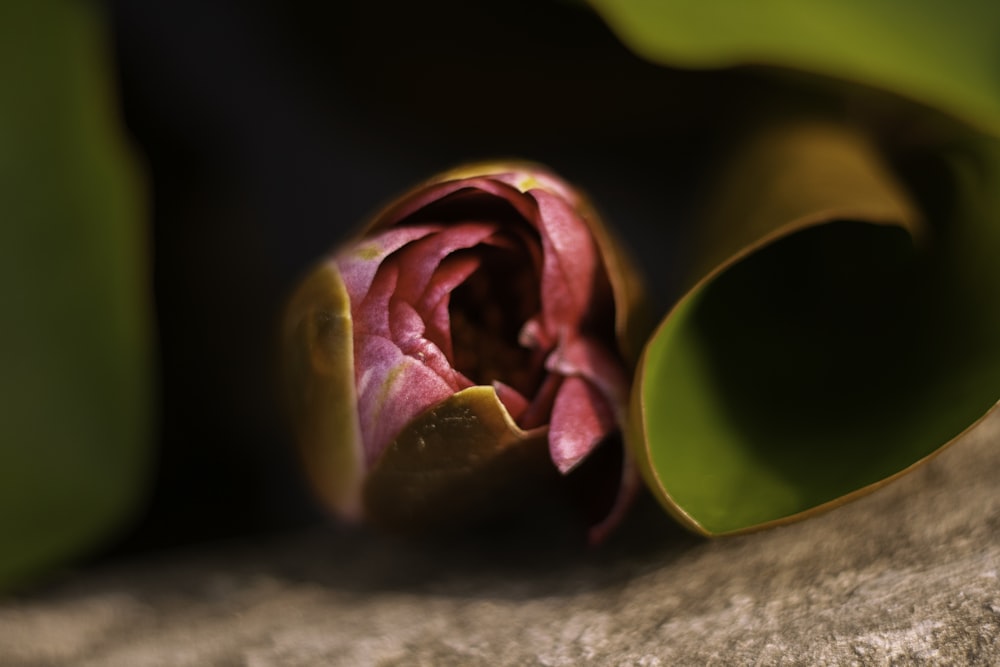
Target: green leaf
x=74, y=346
x=833, y=337
x=941, y=54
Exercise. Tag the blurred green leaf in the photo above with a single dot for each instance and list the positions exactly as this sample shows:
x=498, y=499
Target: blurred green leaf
x=74, y=345
x=946, y=55
x=833, y=337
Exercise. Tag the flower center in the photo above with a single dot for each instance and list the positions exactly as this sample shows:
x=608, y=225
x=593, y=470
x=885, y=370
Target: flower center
x=487, y=312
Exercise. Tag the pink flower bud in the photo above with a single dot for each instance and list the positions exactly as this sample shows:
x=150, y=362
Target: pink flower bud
x=475, y=323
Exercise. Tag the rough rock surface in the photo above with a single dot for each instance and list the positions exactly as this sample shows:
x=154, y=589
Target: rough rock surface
x=908, y=575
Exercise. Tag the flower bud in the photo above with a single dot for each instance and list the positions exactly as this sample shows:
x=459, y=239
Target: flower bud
x=470, y=340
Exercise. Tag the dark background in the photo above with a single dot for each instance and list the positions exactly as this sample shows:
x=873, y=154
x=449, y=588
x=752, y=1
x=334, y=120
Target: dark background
x=270, y=130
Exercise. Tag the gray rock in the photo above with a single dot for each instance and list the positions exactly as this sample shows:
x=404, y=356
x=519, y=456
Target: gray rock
x=908, y=575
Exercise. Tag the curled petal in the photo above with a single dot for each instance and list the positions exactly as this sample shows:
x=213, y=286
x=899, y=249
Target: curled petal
x=587, y=358
x=408, y=335
x=419, y=260
x=629, y=486
x=434, y=302
x=436, y=192
x=581, y=420
x=358, y=264
x=393, y=388
x=570, y=263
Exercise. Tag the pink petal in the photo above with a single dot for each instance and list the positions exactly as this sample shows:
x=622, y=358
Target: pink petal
x=433, y=193
x=534, y=336
x=359, y=263
x=570, y=263
x=419, y=260
x=627, y=490
x=371, y=313
x=434, y=302
x=393, y=388
x=581, y=419
x=408, y=334
x=590, y=359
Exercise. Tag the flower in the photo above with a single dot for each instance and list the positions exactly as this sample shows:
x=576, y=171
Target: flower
x=480, y=315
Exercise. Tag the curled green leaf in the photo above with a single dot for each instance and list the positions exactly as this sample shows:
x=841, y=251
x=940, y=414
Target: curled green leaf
x=833, y=337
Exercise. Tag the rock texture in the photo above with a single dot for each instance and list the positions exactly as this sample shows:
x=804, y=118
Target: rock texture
x=908, y=575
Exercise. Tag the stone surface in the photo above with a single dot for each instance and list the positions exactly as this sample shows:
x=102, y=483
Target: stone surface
x=908, y=575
